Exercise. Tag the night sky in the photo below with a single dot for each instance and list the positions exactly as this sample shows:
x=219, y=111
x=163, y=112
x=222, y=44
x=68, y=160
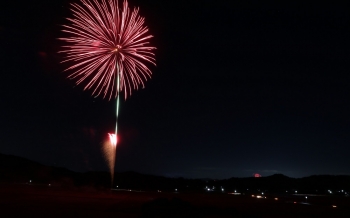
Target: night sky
x=240, y=87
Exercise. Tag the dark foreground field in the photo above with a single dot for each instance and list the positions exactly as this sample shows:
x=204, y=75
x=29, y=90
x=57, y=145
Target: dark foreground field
x=44, y=201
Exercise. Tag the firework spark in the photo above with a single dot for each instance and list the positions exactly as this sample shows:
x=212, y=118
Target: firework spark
x=107, y=45
x=109, y=149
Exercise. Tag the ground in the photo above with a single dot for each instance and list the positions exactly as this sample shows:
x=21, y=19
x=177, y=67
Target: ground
x=23, y=200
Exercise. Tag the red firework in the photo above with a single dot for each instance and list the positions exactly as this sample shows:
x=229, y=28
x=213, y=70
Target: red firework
x=107, y=48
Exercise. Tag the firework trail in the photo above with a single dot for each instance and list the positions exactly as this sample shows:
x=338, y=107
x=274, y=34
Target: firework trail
x=109, y=149
x=107, y=49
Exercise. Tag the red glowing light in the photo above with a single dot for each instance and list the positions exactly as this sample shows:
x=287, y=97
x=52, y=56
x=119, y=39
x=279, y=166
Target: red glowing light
x=107, y=45
x=256, y=175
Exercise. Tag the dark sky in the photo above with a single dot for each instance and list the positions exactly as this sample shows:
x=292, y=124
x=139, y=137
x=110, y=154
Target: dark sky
x=240, y=87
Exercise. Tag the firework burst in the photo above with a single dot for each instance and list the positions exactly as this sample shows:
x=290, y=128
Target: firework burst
x=107, y=45
x=108, y=49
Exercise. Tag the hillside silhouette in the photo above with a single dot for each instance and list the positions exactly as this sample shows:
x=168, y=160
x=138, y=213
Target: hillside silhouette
x=14, y=169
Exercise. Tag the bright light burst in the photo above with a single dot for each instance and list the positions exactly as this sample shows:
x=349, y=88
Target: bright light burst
x=107, y=45
x=113, y=139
